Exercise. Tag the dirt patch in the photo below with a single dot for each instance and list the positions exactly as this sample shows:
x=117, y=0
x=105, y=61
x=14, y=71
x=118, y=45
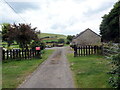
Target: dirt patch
x=56, y=58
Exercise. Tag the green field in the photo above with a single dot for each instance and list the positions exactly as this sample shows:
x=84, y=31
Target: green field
x=52, y=35
x=89, y=71
x=15, y=72
x=56, y=37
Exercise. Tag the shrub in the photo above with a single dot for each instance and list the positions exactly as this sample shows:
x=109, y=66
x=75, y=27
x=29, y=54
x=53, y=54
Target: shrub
x=38, y=44
x=114, y=79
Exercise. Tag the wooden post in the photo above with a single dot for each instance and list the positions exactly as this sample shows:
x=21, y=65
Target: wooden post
x=25, y=54
x=22, y=53
x=10, y=54
x=13, y=54
x=81, y=51
x=33, y=51
x=30, y=53
x=86, y=51
x=19, y=53
x=96, y=49
x=75, y=50
x=3, y=54
x=16, y=54
x=89, y=49
x=7, y=54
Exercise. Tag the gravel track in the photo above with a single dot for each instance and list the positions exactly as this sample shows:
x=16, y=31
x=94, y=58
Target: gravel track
x=53, y=73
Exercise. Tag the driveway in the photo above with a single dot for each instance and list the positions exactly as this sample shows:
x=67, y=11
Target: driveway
x=53, y=73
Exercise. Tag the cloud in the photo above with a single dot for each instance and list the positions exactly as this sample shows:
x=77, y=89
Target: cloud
x=23, y=6
x=59, y=16
x=102, y=7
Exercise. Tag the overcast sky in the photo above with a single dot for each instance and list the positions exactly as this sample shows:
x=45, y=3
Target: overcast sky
x=68, y=17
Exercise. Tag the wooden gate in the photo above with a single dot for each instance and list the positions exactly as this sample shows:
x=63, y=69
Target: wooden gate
x=87, y=50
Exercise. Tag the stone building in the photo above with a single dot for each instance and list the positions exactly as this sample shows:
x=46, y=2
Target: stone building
x=87, y=37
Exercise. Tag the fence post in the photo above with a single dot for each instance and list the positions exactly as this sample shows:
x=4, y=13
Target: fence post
x=7, y=54
x=25, y=54
x=3, y=54
x=10, y=54
x=81, y=50
x=75, y=50
x=102, y=49
x=16, y=53
x=22, y=53
x=94, y=49
x=86, y=51
x=30, y=53
x=19, y=53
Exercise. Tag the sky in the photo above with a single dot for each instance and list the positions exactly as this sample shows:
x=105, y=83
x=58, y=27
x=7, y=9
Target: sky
x=68, y=17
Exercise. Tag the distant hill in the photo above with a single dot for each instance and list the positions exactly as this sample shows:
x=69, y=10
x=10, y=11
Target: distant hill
x=52, y=35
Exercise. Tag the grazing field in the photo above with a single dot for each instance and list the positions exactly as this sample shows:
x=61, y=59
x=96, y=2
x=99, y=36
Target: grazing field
x=89, y=71
x=15, y=72
x=52, y=35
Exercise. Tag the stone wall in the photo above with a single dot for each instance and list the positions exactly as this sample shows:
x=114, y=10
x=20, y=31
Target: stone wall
x=88, y=38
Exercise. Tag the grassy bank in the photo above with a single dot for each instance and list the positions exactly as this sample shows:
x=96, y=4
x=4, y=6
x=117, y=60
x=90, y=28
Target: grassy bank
x=15, y=72
x=89, y=71
x=52, y=35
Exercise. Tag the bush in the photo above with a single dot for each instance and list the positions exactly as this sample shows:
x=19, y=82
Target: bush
x=68, y=42
x=38, y=44
x=114, y=79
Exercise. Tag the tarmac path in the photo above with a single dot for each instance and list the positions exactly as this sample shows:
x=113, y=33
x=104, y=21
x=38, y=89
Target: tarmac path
x=53, y=73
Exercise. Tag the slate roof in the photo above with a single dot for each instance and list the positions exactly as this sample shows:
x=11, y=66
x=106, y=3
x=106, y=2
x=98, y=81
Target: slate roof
x=85, y=31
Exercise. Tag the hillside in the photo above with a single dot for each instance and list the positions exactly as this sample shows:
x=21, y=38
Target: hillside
x=52, y=35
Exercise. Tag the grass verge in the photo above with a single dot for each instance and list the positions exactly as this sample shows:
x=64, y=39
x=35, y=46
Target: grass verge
x=15, y=72
x=89, y=71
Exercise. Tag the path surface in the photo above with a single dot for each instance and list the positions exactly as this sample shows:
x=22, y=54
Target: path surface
x=53, y=73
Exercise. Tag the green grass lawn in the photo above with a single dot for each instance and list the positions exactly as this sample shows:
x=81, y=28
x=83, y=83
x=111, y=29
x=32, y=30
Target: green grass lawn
x=50, y=40
x=15, y=72
x=89, y=71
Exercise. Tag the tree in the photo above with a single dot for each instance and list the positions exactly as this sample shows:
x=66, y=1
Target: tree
x=70, y=37
x=109, y=27
x=5, y=27
x=61, y=40
x=23, y=34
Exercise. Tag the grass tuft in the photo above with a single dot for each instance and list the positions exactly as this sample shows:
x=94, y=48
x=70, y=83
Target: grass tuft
x=89, y=71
